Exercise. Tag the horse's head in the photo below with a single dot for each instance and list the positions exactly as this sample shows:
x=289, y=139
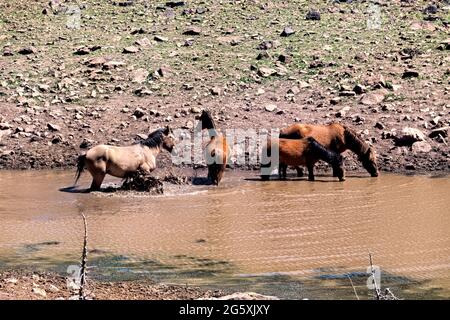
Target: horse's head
x=168, y=139
x=369, y=162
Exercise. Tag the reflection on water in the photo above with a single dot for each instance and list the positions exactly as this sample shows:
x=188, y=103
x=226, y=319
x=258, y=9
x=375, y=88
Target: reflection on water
x=294, y=239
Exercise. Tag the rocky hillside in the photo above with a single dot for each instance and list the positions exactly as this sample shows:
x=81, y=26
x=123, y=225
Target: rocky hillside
x=76, y=73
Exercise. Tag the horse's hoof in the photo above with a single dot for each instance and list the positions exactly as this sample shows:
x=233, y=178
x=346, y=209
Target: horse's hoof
x=341, y=179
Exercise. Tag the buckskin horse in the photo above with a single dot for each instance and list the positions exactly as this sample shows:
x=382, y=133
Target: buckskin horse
x=300, y=152
x=123, y=161
x=335, y=137
x=216, y=151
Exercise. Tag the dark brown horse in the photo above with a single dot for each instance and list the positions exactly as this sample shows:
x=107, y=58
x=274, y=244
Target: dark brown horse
x=300, y=152
x=338, y=138
x=216, y=151
x=122, y=161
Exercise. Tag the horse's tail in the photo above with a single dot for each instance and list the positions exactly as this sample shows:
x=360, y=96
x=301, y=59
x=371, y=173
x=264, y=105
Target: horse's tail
x=333, y=158
x=81, y=162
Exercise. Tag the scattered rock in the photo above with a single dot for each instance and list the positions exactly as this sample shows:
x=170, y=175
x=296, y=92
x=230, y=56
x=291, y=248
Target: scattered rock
x=130, y=49
x=270, y=107
x=245, y=296
x=163, y=71
x=266, y=72
x=161, y=39
x=96, y=62
x=138, y=113
x=373, y=98
x=443, y=132
x=359, y=89
x=285, y=58
x=294, y=90
x=343, y=112
x=287, y=31
x=40, y=292
x=410, y=74
x=379, y=125
x=144, y=42
x=409, y=136
x=174, y=4
x=216, y=91
x=431, y=9
x=193, y=31
x=53, y=127
x=195, y=110
x=7, y=52
x=139, y=75
x=313, y=15
x=27, y=50
x=421, y=147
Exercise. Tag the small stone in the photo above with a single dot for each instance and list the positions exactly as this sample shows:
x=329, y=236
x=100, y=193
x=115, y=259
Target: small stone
x=410, y=74
x=138, y=113
x=359, y=89
x=313, y=15
x=131, y=49
x=53, y=127
x=193, y=31
x=421, y=147
x=444, y=132
x=287, y=31
x=263, y=55
x=40, y=292
x=53, y=288
x=163, y=71
x=195, y=110
x=285, y=58
x=270, y=107
x=215, y=91
x=343, y=112
x=173, y=4
x=408, y=136
x=27, y=50
x=372, y=98
x=294, y=90
x=144, y=42
x=139, y=75
x=96, y=62
x=379, y=125
x=161, y=39
x=266, y=72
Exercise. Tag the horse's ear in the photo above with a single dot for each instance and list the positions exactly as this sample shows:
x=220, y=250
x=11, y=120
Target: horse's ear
x=167, y=130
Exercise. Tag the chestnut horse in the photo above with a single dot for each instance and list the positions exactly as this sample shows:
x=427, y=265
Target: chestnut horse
x=216, y=151
x=122, y=161
x=301, y=152
x=335, y=137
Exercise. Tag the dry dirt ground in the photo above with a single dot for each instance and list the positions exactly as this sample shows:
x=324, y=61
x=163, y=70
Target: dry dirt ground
x=78, y=73
x=27, y=285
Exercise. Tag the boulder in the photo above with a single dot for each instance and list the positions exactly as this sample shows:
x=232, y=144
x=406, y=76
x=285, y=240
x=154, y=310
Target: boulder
x=421, y=147
x=408, y=136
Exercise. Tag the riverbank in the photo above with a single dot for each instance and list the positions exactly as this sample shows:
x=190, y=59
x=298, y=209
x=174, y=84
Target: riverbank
x=29, y=285
x=118, y=77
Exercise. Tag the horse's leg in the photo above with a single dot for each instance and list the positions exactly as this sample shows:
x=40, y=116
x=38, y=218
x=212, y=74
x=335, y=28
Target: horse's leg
x=97, y=180
x=310, y=172
x=282, y=168
x=299, y=172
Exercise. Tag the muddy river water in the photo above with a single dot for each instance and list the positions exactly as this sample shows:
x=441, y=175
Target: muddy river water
x=294, y=239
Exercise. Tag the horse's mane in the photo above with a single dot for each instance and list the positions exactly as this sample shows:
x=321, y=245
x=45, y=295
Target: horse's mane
x=324, y=154
x=207, y=120
x=154, y=139
x=355, y=143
